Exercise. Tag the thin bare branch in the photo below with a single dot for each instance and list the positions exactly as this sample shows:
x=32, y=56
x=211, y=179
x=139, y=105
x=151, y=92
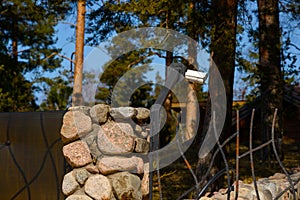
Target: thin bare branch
x=68, y=23
x=295, y=46
x=60, y=55
x=24, y=50
x=151, y=53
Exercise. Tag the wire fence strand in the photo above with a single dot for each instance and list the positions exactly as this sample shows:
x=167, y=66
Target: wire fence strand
x=15, y=148
x=9, y=144
x=249, y=153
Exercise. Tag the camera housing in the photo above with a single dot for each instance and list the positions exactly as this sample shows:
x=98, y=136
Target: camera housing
x=195, y=76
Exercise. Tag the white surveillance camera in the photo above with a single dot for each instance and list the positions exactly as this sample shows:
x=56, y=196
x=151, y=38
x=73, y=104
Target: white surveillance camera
x=195, y=76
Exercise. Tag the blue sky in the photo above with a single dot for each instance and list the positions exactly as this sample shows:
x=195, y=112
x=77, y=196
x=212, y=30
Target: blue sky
x=66, y=38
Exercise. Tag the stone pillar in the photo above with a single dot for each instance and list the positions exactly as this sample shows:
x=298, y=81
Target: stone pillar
x=106, y=148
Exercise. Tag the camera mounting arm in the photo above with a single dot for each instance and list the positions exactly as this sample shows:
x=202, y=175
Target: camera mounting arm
x=176, y=72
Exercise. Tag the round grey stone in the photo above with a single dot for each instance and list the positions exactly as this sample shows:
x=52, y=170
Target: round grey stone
x=122, y=113
x=81, y=175
x=69, y=185
x=99, y=113
x=75, y=125
x=142, y=113
x=109, y=165
x=78, y=197
x=98, y=187
x=126, y=186
x=84, y=109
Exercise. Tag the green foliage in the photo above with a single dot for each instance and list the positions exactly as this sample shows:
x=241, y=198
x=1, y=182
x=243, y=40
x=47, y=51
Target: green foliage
x=58, y=92
x=26, y=45
x=15, y=93
x=248, y=49
x=289, y=61
x=105, y=21
x=112, y=17
x=116, y=71
x=158, y=85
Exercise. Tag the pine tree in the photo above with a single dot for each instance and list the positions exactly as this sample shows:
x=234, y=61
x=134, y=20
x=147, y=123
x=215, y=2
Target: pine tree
x=271, y=84
x=57, y=91
x=110, y=18
x=26, y=44
x=271, y=62
x=223, y=44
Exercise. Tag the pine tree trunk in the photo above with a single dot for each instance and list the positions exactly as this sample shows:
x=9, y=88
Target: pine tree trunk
x=223, y=43
x=166, y=138
x=271, y=85
x=77, y=98
x=191, y=112
x=192, y=101
x=15, y=39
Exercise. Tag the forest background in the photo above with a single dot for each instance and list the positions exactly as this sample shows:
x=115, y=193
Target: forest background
x=255, y=45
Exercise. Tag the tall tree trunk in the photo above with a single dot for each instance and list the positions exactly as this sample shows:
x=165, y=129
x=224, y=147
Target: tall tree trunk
x=192, y=101
x=77, y=98
x=271, y=85
x=15, y=39
x=166, y=138
x=223, y=43
x=191, y=111
x=15, y=57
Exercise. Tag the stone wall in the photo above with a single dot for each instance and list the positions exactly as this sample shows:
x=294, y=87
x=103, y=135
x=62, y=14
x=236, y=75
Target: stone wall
x=268, y=189
x=106, y=148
